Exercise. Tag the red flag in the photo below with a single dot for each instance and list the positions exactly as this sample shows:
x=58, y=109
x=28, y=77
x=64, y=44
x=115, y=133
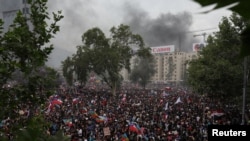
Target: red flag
x=75, y=100
x=217, y=113
x=57, y=102
x=133, y=128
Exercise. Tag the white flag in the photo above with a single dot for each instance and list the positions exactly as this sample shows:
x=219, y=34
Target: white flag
x=164, y=93
x=166, y=106
x=178, y=100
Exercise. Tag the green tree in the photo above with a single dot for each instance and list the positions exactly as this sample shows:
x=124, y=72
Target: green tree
x=238, y=6
x=67, y=68
x=76, y=67
x=25, y=48
x=142, y=71
x=219, y=69
x=36, y=130
x=81, y=65
x=106, y=57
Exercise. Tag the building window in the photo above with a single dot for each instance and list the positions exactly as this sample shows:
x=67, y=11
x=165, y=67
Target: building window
x=24, y=1
x=26, y=10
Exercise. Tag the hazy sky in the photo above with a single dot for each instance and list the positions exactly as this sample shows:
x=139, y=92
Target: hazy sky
x=158, y=21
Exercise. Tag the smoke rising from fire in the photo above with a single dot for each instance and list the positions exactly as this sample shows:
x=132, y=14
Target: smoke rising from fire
x=157, y=27
x=166, y=29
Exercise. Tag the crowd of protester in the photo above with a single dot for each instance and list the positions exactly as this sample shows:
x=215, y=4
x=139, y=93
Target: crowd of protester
x=136, y=114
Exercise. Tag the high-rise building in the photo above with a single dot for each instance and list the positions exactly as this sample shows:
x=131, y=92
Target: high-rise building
x=9, y=9
x=170, y=65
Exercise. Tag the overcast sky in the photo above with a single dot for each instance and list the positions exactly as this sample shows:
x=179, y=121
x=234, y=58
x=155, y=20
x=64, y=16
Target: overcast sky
x=150, y=18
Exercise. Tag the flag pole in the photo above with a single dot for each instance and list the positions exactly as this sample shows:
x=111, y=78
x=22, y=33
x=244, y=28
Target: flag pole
x=244, y=90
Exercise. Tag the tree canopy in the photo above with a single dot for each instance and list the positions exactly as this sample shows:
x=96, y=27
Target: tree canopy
x=219, y=69
x=24, y=49
x=106, y=57
x=238, y=6
x=142, y=71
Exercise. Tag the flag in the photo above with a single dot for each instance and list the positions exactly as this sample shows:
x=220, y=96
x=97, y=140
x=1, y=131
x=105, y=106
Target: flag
x=56, y=102
x=178, y=101
x=165, y=116
x=75, y=100
x=68, y=122
x=137, y=104
x=53, y=97
x=101, y=119
x=217, y=113
x=84, y=110
x=93, y=114
x=141, y=131
x=161, y=101
x=49, y=108
x=168, y=88
x=133, y=128
x=164, y=93
x=166, y=106
x=124, y=137
x=124, y=99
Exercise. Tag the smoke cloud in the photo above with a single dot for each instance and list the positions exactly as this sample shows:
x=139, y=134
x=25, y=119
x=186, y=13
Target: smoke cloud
x=81, y=15
x=166, y=29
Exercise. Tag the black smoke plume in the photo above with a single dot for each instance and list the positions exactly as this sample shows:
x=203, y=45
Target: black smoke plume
x=166, y=29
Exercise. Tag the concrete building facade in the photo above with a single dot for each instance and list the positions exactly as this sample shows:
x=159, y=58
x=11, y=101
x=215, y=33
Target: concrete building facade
x=170, y=67
x=9, y=9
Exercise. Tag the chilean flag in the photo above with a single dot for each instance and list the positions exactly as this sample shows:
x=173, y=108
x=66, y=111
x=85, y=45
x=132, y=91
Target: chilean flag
x=101, y=119
x=133, y=128
x=56, y=102
x=217, y=113
x=75, y=100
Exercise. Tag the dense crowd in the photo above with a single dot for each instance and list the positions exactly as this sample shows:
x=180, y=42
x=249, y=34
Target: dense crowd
x=136, y=115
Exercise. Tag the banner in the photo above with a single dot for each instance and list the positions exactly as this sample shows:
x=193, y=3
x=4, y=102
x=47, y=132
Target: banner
x=106, y=131
x=162, y=49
